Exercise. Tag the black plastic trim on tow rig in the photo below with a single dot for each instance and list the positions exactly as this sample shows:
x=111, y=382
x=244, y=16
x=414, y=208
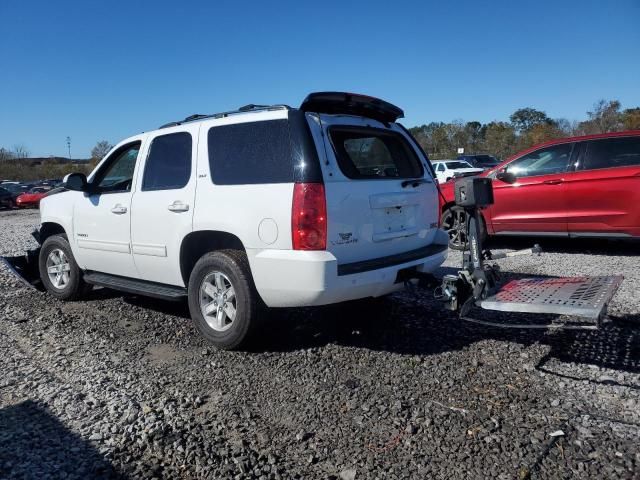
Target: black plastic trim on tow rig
x=391, y=260
x=136, y=286
x=25, y=268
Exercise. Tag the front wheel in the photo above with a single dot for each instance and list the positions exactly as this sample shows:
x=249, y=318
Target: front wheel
x=59, y=271
x=454, y=221
x=223, y=300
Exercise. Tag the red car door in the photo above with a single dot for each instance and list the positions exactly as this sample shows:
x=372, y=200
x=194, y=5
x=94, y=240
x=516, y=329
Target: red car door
x=537, y=201
x=603, y=195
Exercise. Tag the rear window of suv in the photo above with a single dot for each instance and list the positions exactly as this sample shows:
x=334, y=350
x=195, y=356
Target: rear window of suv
x=372, y=153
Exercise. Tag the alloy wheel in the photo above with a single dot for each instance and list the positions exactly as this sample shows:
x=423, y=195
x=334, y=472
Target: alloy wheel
x=58, y=268
x=218, y=301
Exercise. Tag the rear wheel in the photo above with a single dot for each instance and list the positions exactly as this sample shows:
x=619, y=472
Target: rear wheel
x=454, y=221
x=59, y=271
x=223, y=300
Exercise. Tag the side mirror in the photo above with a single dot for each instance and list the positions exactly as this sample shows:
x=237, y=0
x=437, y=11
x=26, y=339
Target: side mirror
x=507, y=177
x=76, y=182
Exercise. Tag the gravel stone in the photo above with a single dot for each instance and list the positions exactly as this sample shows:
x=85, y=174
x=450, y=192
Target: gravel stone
x=119, y=386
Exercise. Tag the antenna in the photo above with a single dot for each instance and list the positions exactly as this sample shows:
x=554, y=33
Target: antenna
x=69, y=146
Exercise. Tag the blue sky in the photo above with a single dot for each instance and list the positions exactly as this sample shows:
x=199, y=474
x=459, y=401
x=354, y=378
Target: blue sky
x=105, y=70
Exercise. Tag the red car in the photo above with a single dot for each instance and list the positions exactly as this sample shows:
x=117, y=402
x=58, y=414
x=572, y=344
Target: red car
x=571, y=187
x=32, y=197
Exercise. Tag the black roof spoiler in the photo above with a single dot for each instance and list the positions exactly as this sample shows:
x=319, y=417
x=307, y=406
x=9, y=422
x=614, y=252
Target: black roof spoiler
x=351, y=104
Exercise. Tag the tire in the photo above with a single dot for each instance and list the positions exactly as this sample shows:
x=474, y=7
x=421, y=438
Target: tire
x=71, y=286
x=454, y=221
x=211, y=280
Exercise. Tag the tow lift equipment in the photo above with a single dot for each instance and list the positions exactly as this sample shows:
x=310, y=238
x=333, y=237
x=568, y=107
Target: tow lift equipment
x=477, y=284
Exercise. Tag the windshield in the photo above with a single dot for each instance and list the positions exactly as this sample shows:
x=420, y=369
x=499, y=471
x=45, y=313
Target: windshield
x=458, y=164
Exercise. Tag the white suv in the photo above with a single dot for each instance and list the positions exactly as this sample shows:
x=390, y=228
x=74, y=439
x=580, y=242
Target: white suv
x=267, y=206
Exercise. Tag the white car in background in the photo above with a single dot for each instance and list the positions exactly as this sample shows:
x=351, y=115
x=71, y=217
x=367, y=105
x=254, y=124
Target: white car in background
x=447, y=169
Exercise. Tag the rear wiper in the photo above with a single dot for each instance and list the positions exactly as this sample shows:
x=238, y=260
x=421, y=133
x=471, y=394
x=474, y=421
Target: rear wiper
x=415, y=182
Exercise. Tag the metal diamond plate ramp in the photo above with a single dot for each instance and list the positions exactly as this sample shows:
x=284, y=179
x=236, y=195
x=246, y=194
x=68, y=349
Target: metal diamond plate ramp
x=585, y=297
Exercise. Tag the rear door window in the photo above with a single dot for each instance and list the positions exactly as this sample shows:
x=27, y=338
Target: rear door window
x=168, y=165
x=371, y=153
x=612, y=153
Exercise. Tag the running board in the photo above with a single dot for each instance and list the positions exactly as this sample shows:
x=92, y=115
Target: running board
x=584, y=297
x=133, y=285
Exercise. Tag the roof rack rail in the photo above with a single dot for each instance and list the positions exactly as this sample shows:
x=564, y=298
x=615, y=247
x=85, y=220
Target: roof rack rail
x=244, y=109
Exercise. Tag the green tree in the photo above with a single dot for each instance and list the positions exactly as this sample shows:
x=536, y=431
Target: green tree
x=500, y=139
x=524, y=119
x=604, y=118
x=631, y=118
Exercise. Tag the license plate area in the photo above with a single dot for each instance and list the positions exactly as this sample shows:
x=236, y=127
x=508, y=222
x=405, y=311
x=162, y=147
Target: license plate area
x=394, y=222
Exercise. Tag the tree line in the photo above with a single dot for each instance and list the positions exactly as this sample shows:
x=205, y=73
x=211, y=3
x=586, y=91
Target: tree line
x=17, y=165
x=526, y=127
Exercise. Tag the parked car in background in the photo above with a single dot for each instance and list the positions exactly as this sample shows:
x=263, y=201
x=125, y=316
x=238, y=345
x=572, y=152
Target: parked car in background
x=16, y=190
x=480, y=161
x=585, y=186
x=447, y=169
x=6, y=198
x=32, y=197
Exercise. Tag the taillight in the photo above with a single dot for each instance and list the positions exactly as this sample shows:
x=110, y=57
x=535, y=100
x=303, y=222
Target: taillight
x=309, y=217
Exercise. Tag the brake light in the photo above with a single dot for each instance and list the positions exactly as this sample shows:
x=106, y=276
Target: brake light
x=309, y=217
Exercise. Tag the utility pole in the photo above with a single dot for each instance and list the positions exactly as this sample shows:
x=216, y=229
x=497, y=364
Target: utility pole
x=69, y=146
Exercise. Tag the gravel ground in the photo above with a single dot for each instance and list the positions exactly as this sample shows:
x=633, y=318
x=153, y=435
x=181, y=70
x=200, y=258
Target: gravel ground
x=122, y=386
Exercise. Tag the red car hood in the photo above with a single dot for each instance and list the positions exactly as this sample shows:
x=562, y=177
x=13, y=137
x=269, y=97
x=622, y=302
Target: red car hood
x=30, y=197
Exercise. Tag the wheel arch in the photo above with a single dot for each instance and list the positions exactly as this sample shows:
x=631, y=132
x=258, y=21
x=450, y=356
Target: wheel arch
x=197, y=243
x=48, y=229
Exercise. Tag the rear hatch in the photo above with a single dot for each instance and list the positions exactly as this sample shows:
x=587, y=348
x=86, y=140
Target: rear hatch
x=381, y=198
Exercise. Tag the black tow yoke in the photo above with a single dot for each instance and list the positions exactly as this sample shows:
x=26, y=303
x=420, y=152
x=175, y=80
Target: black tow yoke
x=477, y=284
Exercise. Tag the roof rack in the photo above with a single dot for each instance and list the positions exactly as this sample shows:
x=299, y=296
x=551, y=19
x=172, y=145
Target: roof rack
x=245, y=109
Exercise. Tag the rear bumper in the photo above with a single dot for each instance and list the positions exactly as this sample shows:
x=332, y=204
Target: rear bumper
x=290, y=278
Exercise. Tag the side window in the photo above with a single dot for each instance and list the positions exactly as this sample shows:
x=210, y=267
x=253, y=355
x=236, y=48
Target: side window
x=251, y=153
x=168, y=165
x=612, y=152
x=545, y=161
x=441, y=167
x=117, y=173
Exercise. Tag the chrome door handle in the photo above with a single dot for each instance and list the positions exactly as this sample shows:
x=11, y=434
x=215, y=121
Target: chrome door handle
x=119, y=209
x=178, y=206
